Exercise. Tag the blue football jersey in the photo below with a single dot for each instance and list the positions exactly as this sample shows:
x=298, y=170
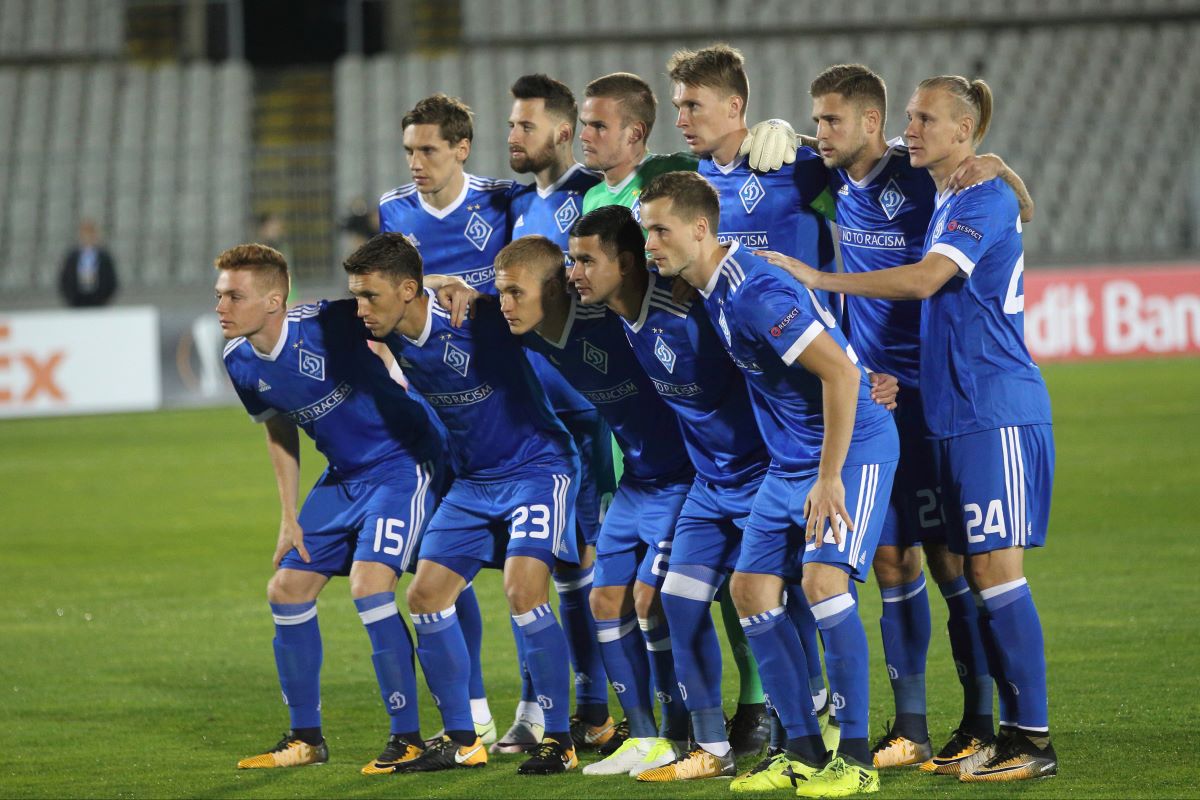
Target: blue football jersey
x=976, y=373
x=481, y=387
x=882, y=221
x=551, y=212
x=324, y=377
x=593, y=355
x=461, y=239
x=765, y=320
x=781, y=210
x=678, y=348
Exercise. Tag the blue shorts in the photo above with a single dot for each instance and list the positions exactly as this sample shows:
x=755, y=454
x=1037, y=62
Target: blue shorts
x=709, y=531
x=635, y=539
x=914, y=515
x=996, y=488
x=377, y=518
x=593, y=438
x=773, y=542
x=481, y=524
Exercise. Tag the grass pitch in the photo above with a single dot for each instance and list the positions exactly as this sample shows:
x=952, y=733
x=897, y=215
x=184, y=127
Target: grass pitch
x=136, y=657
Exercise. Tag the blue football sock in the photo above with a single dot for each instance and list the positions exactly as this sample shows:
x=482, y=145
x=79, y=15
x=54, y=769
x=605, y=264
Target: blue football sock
x=298, y=657
x=674, y=722
x=781, y=665
x=546, y=658
x=1017, y=630
x=849, y=674
x=628, y=670
x=806, y=626
x=907, y=628
x=470, y=620
x=1007, y=701
x=528, y=695
x=392, y=654
x=447, y=667
x=687, y=597
x=574, y=588
x=970, y=658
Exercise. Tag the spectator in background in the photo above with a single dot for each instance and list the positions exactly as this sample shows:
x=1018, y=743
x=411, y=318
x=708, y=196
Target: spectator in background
x=89, y=275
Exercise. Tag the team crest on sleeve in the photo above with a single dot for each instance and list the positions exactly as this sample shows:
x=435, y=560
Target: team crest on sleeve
x=567, y=213
x=751, y=193
x=636, y=208
x=312, y=365
x=595, y=357
x=478, y=231
x=664, y=354
x=457, y=359
x=891, y=198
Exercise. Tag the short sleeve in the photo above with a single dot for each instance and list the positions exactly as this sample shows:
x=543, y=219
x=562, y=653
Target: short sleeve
x=779, y=314
x=255, y=407
x=975, y=221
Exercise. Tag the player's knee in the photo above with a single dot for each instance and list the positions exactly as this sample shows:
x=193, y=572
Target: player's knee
x=944, y=566
x=645, y=601
x=605, y=603
x=749, y=594
x=422, y=598
x=822, y=583
x=523, y=598
x=284, y=588
x=896, y=566
x=369, y=579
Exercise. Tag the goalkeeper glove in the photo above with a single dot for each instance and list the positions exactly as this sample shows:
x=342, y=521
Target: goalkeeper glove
x=770, y=145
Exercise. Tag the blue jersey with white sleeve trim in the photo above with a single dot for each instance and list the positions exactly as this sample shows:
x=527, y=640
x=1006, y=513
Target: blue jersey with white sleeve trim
x=766, y=320
x=594, y=356
x=323, y=376
x=461, y=239
x=685, y=359
x=976, y=372
x=479, y=383
x=882, y=221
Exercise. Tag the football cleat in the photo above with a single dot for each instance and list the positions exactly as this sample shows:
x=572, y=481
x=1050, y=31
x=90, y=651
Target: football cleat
x=445, y=754
x=521, y=737
x=839, y=778
x=548, y=758
x=486, y=731
x=289, y=752
x=894, y=750
x=776, y=771
x=620, y=734
x=584, y=735
x=748, y=730
x=961, y=749
x=627, y=759
x=699, y=763
x=396, y=752
x=1016, y=759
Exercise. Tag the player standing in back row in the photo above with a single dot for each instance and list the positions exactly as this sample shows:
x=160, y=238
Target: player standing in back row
x=884, y=205
x=985, y=403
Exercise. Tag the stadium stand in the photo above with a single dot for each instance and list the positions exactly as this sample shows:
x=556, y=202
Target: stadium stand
x=1070, y=97
x=166, y=154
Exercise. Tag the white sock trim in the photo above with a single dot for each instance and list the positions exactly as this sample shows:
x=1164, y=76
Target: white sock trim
x=833, y=605
x=996, y=591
